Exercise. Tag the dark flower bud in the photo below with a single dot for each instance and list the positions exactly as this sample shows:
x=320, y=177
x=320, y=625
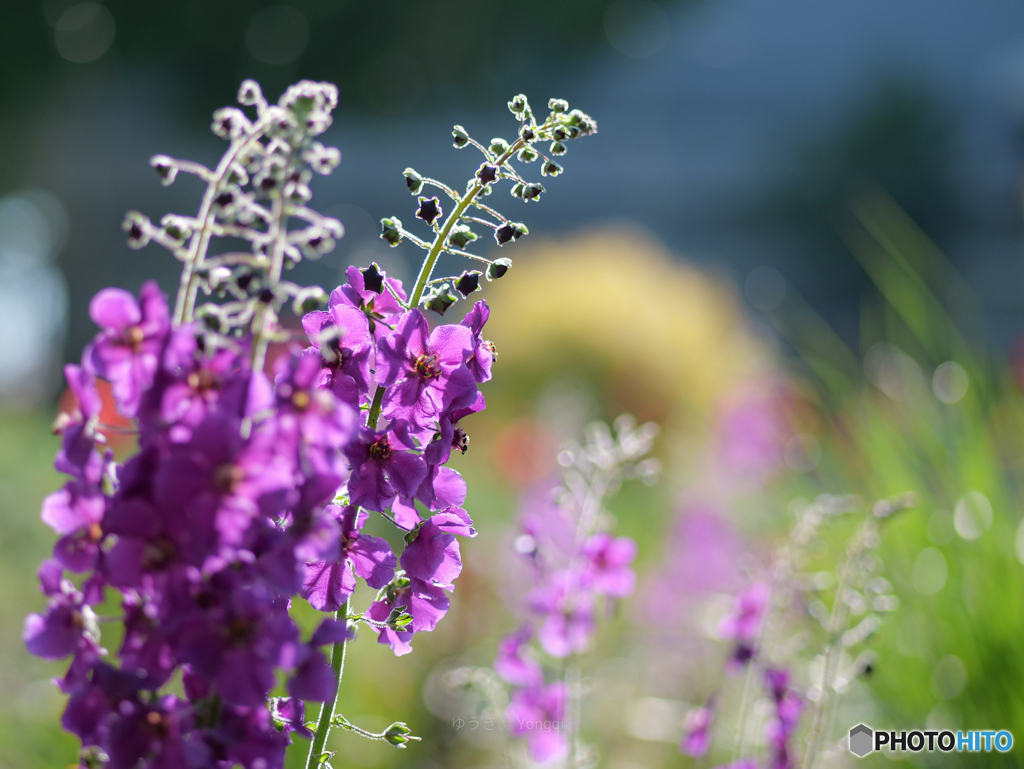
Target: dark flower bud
x=527, y=154
x=440, y=299
x=487, y=174
x=468, y=282
x=558, y=106
x=413, y=181
x=249, y=93
x=461, y=236
x=136, y=225
x=373, y=279
x=533, y=191
x=461, y=137
x=518, y=105
x=550, y=168
x=499, y=146
x=309, y=299
x=558, y=133
x=391, y=231
x=510, y=231
x=557, y=149
x=165, y=168
x=498, y=268
x=398, y=734
x=266, y=296
x=224, y=199
x=429, y=209
x=527, y=134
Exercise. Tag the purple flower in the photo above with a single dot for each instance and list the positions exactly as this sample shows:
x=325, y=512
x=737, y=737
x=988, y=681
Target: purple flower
x=197, y=384
x=539, y=713
x=425, y=603
x=342, y=336
x=443, y=488
x=483, y=354
x=450, y=435
x=78, y=456
x=697, y=731
x=607, y=569
x=76, y=512
x=786, y=719
x=309, y=417
x=433, y=554
x=380, y=307
x=425, y=375
x=383, y=467
x=512, y=665
x=743, y=625
x=127, y=350
x=67, y=626
x=328, y=584
x=569, y=611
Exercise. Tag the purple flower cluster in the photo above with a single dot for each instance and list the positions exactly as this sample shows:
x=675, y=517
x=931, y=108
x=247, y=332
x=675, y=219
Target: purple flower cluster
x=577, y=569
x=244, y=493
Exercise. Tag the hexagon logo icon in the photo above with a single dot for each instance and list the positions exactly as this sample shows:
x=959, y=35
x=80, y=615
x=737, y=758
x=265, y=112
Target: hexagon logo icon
x=861, y=739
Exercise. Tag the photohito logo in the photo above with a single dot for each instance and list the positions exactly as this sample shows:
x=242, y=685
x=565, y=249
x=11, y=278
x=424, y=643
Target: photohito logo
x=864, y=740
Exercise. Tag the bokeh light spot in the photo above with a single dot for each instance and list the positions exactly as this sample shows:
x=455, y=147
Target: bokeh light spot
x=802, y=453
x=973, y=515
x=277, y=35
x=950, y=382
x=949, y=676
x=84, y=32
x=930, y=571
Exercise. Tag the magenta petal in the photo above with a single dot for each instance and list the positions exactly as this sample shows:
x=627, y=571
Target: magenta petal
x=327, y=585
x=114, y=308
x=406, y=472
x=313, y=680
x=373, y=560
x=433, y=556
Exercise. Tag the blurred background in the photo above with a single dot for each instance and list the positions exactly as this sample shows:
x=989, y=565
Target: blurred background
x=796, y=244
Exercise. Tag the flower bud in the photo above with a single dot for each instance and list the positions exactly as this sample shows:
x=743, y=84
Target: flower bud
x=550, y=168
x=487, y=174
x=165, y=168
x=461, y=236
x=527, y=154
x=398, y=619
x=533, y=191
x=498, y=268
x=249, y=93
x=398, y=734
x=557, y=149
x=517, y=189
x=136, y=225
x=499, y=146
x=461, y=137
x=413, y=181
x=518, y=105
x=440, y=299
x=468, y=282
x=559, y=134
x=373, y=278
x=429, y=210
x=391, y=231
x=558, y=106
x=510, y=231
x=527, y=134
x=309, y=299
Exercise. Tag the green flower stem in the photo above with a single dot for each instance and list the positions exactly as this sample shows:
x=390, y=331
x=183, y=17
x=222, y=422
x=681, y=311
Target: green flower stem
x=323, y=724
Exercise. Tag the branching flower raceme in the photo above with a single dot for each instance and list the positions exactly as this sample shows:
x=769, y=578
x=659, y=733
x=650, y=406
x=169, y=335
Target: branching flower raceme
x=763, y=615
x=250, y=487
x=578, y=567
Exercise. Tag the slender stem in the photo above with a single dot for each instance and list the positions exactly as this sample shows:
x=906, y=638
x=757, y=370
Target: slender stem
x=277, y=232
x=442, y=235
x=378, y=401
x=323, y=724
x=185, y=303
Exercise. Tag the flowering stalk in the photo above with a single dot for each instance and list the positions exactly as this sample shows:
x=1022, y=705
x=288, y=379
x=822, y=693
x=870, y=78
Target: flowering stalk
x=247, y=491
x=575, y=562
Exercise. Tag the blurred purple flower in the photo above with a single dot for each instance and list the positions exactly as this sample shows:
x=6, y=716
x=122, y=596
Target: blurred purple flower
x=607, y=569
x=697, y=731
x=538, y=712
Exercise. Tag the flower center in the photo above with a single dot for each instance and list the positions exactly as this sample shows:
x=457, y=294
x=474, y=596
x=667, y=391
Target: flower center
x=460, y=440
x=380, y=450
x=300, y=400
x=428, y=366
x=226, y=476
x=201, y=380
x=135, y=337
